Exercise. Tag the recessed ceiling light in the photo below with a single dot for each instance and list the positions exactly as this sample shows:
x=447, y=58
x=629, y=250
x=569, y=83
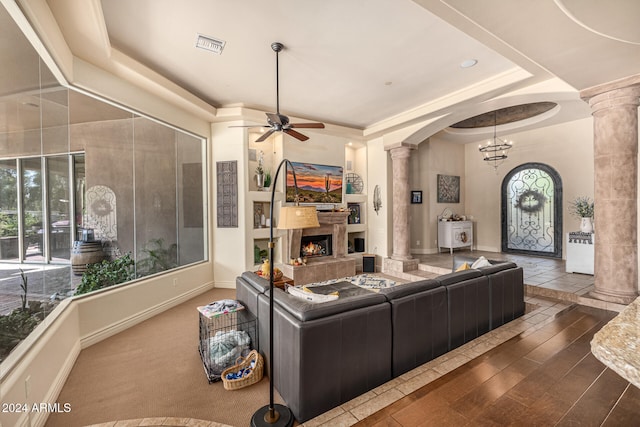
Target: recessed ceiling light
x=468, y=63
x=210, y=43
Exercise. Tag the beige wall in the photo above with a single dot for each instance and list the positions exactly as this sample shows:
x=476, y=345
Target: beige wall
x=568, y=148
x=432, y=158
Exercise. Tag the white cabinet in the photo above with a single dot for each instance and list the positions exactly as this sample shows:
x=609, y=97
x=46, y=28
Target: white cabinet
x=455, y=234
x=580, y=254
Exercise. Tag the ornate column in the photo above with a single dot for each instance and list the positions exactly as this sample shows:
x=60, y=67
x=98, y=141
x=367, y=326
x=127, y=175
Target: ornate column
x=401, y=259
x=615, y=142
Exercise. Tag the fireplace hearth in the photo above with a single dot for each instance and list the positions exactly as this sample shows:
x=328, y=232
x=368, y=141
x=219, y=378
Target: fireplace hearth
x=316, y=246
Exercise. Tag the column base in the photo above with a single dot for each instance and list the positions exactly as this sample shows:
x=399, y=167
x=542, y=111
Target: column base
x=611, y=297
x=390, y=265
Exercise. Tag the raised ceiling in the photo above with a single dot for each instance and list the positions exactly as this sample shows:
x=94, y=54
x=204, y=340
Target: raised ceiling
x=367, y=65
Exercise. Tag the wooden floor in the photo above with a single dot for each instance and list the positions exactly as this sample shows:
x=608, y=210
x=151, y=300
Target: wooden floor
x=546, y=378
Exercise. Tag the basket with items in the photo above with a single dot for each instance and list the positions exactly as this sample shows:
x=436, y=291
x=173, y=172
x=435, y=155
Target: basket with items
x=247, y=371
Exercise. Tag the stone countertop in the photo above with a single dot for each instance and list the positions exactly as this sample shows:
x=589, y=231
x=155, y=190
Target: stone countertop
x=617, y=344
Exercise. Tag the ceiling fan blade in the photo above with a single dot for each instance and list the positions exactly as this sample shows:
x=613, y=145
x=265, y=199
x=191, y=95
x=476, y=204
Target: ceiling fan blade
x=266, y=135
x=307, y=125
x=277, y=119
x=296, y=135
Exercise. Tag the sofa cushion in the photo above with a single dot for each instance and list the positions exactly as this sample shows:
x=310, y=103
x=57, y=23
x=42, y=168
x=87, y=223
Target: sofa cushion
x=481, y=262
x=354, y=297
x=458, y=260
x=464, y=266
x=405, y=289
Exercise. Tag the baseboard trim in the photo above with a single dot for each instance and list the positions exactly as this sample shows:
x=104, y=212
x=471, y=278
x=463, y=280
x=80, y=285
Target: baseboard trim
x=141, y=316
x=40, y=418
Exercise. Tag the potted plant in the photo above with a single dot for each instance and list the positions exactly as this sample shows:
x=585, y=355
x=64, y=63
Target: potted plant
x=267, y=180
x=583, y=208
x=260, y=172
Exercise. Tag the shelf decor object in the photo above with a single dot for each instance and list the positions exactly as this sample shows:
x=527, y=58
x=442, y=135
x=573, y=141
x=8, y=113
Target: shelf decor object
x=291, y=217
x=354, y=183
x=377, y=199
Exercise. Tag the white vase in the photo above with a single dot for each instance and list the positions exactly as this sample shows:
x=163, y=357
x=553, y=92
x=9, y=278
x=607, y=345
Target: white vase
x=586, y=225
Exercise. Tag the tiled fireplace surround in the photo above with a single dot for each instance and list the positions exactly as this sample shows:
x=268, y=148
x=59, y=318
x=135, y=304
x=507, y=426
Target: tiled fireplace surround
x=325, y=267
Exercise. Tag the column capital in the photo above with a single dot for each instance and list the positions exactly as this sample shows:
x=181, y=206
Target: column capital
x=402, y=151
x=622, y=93
x=391, y=147
x=617, y=98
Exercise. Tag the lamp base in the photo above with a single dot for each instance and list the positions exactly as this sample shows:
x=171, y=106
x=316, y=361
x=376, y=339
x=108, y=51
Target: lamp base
x=261, y=417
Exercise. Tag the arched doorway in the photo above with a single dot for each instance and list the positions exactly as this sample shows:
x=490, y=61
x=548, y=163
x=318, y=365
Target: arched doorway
x=532, y=211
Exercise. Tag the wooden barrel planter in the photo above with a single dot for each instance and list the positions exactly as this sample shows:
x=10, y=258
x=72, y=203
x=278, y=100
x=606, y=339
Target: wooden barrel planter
x=84, y=254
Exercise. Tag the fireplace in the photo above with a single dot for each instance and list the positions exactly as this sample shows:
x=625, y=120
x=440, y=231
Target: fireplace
x=316, y=246
x=333, y=263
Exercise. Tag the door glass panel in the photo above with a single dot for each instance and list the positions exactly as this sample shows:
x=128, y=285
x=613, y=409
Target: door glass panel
x=33, y=232
x=59, y=208
x=8, y=210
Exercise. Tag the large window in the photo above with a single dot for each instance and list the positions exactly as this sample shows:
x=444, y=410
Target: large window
x=79, y=174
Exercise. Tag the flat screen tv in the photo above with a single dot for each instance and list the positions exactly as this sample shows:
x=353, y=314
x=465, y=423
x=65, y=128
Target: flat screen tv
x=316, y=183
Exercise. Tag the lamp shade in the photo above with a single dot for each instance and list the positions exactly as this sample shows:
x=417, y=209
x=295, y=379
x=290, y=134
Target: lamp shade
x=292, y=217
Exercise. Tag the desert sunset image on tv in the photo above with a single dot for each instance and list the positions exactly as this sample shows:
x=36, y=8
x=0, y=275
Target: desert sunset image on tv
x=316, y=183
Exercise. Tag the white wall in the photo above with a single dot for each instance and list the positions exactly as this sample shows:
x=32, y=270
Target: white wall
x=567, y=147
x=379, y=225
x=229, y=245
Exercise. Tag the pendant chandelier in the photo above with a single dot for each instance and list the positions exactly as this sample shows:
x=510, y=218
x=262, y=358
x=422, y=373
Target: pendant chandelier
x=495, y=150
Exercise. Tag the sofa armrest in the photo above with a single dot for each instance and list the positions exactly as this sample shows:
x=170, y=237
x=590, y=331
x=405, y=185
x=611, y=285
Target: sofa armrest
x=258, y=282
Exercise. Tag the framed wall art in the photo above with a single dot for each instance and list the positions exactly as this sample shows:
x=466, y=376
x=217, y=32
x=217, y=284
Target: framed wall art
x=416, y=197
x=227, y=194
x=448, y=189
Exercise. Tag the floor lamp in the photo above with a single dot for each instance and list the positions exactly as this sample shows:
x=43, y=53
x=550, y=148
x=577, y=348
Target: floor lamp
x=291, y=217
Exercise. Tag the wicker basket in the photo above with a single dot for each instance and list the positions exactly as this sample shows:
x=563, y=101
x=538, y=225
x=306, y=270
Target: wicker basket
x=254, y=376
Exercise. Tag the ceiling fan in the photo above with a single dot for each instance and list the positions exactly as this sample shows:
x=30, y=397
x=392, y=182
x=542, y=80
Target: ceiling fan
x=279, y=122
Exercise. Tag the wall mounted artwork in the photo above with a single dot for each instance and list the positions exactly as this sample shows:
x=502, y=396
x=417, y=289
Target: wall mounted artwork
x=448, y=189
x=227, y=194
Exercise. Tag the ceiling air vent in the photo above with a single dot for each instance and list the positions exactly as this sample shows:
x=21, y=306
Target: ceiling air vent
x=209, y=43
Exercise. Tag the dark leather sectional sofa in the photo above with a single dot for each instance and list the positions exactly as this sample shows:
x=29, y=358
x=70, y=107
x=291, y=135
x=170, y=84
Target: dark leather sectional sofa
x=326, y=354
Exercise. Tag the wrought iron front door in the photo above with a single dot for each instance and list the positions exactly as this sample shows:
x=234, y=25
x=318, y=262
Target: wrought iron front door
x=532, y=211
